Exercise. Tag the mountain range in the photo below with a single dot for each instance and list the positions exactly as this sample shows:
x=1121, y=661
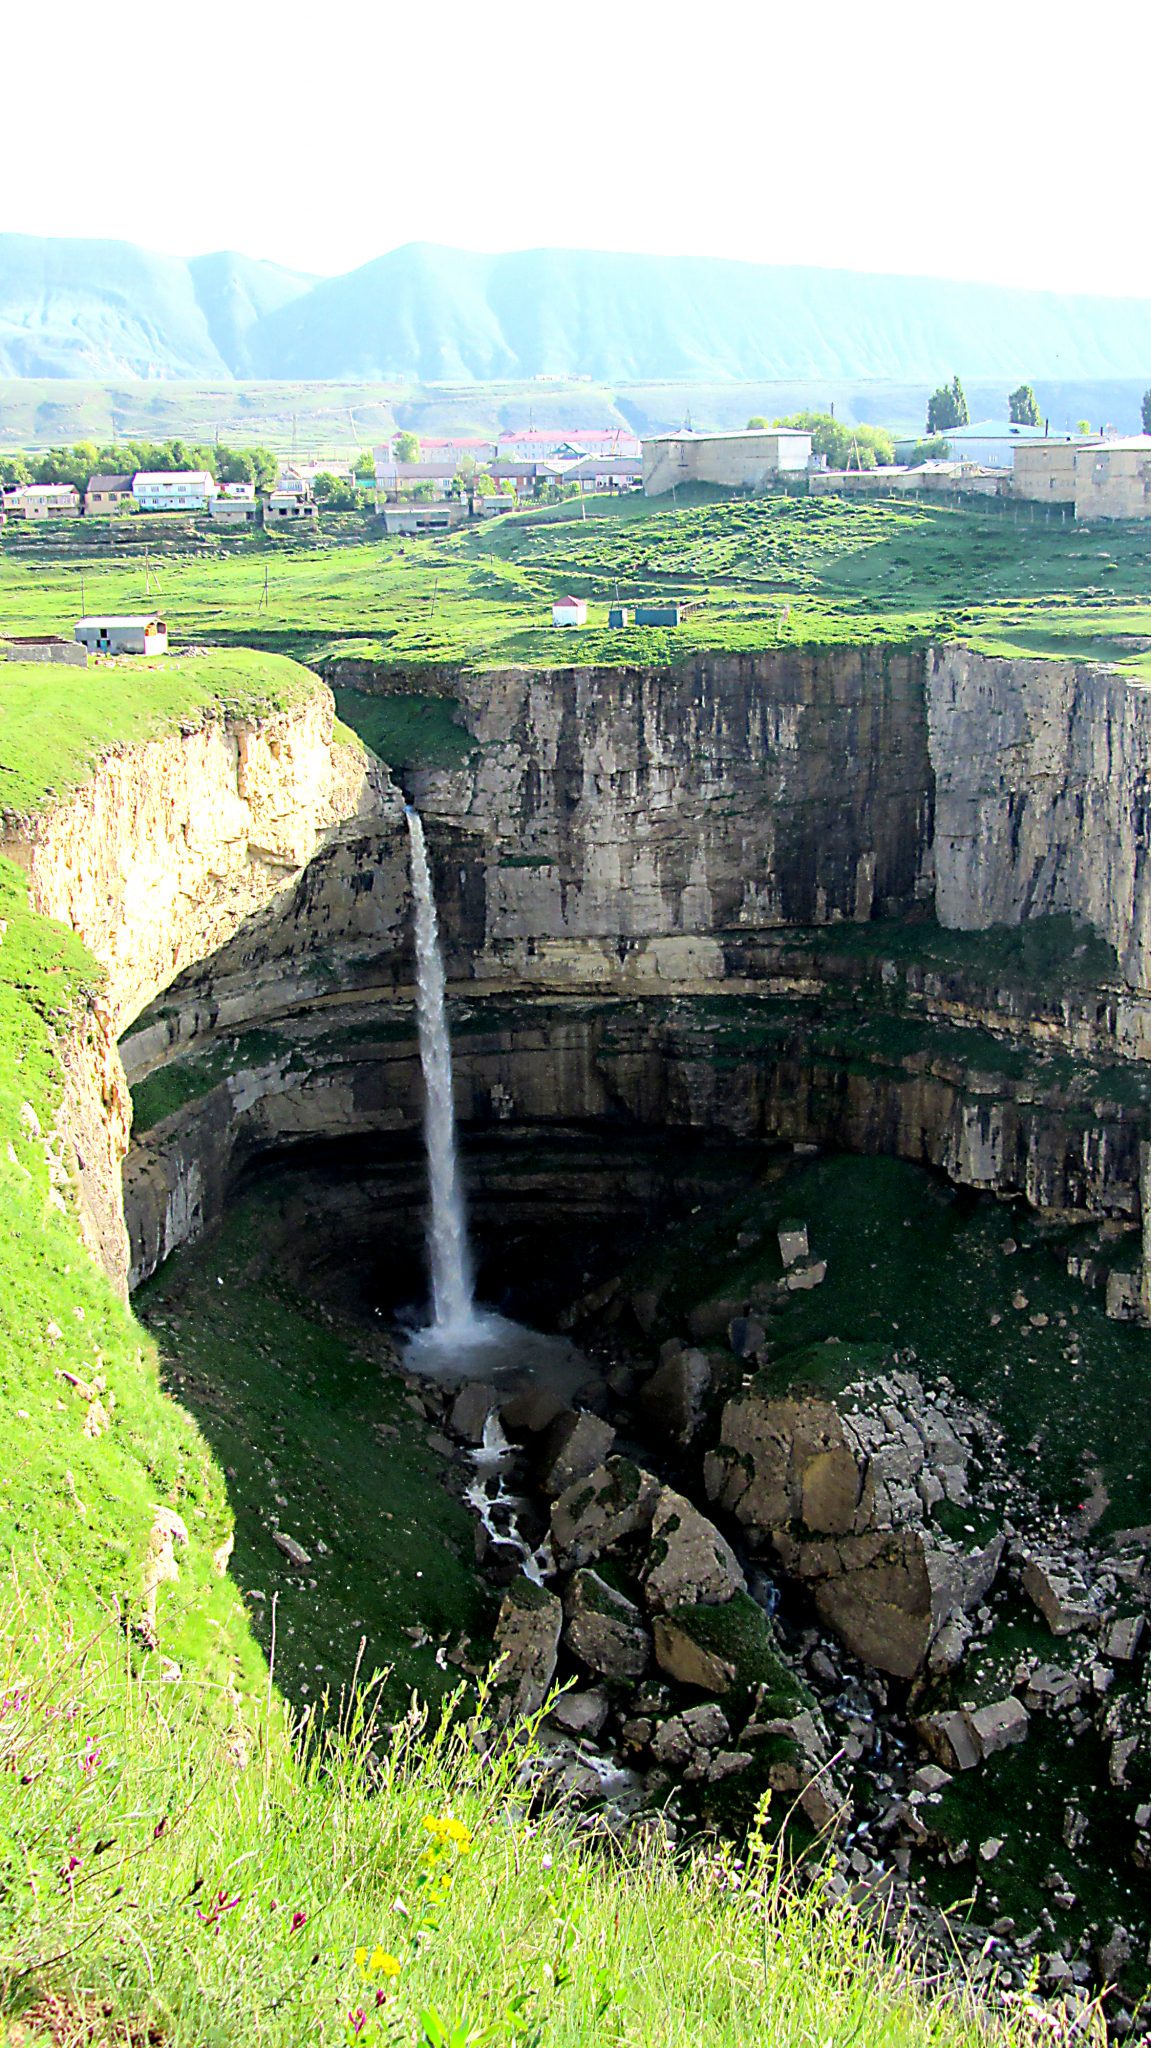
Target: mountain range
x=426, y=313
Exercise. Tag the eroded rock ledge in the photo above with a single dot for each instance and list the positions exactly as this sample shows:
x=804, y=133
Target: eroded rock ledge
x=155, y=863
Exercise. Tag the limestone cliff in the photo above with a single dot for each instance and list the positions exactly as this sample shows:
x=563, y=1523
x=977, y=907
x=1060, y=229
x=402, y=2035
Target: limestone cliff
x=1042, y=797
x=155, y=862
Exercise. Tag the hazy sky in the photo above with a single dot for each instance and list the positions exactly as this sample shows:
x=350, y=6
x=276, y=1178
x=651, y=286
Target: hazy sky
x=999, y=140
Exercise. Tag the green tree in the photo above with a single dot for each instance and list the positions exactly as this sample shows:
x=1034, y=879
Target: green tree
x=335, y=492
x=366, y=466
x=14, y=470
x=1023, y=407
x=1084, y=426
x=947, y=408
x=756, y=420
x=406, y=447
x=935, y=449
x=843, y=447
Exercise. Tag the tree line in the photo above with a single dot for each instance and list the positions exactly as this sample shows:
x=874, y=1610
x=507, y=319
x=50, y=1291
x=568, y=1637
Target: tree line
x=84, y=459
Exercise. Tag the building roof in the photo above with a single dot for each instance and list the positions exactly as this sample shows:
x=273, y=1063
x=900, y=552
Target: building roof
x=1006, y=430
x=734, y=434
x=121, y=619
x=568, y=600
x=109, y=483
x=593, y=465
x=576, y=435
x=173, y=476
x=1140, y=444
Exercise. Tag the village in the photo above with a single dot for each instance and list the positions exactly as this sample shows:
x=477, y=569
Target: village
x=431, y=484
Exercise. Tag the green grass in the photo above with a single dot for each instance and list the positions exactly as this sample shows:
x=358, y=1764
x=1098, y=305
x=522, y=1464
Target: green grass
x=224, y=1889
x=56, y=722
x=317, y=1439
x=780, y=570
x=83, y=1502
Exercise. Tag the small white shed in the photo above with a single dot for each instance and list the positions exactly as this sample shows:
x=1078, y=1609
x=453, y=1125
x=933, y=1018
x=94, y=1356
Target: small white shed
x=141, y=633
x=569, y=611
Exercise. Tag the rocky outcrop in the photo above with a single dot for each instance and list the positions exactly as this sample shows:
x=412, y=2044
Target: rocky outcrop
x=156, y=861
x=1041, y=797
x=841, y=1491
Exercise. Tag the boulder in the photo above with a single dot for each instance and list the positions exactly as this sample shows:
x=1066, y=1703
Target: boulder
x=999, y=1725
x=1122, y=1640
x=531, y=1410
x=843, y=1490
x=1062, y=1599
x=604, y=1629
x=687, y=1661
x=471, y=1408
x=716, y=1647
x=680, y=1740
x=688, y=1560
x=949, y=1739
x=672, y=1402
x=793, y=1245
x=746, y=1336
x=581, y=1713
x=293, y=1551
x=573, y=1447
x=614, y=1501
x=527, y=1640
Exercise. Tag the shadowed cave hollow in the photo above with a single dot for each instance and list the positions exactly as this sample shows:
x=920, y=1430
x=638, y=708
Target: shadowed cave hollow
x=553, y=1212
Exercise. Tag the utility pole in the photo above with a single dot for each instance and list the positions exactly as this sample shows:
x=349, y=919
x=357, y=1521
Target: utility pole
x=435, y=594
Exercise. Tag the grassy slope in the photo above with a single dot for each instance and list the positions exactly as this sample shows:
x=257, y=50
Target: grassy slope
x=56, y=722
x=80, y=1503
x=764, y=572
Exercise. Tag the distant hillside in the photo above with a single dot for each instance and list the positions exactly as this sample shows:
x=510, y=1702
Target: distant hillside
x=425, y=313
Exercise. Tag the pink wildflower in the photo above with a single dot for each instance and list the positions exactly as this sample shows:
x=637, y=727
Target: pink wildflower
x=299, y=1919
x=358, y=2020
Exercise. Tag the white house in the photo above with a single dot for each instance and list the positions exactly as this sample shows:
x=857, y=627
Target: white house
x=138, y=633
x=569, y=611
x=173, y=490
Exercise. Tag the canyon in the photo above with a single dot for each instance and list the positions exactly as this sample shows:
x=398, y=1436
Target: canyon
x=709, y=930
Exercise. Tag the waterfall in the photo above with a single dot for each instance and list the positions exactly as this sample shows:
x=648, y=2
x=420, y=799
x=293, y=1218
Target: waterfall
x=453, y=1314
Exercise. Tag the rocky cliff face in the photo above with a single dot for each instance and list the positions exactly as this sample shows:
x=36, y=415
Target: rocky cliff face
x=155, y=862
x=755, y=842
x=1042, y=797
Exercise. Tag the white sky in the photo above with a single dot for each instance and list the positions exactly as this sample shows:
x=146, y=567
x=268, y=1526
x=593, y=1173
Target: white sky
x=1001, y=139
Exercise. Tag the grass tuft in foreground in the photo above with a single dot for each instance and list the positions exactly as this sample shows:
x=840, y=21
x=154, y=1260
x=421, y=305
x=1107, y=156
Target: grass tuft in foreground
x=164, y=1882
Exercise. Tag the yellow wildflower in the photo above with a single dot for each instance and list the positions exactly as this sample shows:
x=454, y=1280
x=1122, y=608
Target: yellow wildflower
x=383, y=1964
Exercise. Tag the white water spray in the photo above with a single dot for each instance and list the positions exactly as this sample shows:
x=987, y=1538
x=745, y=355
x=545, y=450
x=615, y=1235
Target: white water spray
x=453, y=1312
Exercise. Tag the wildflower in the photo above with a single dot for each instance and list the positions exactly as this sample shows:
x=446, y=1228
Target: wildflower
x=68, y=1872
x=299, y=1919
x=91, y=1759
x=387, y=1965
x=220, y=1904
x=358, y=2020
x=159, y=1828
x=448, y=1829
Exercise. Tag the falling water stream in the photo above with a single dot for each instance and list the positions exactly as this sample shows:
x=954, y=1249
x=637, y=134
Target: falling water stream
x=453, y=1311
x=461, y=1340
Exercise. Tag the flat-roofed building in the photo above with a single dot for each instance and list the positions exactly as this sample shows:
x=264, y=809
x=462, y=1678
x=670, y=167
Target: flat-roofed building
x=173, y=490
x=742, y=461
x=123, y=633
x=1113, y=479
x=415, y=515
